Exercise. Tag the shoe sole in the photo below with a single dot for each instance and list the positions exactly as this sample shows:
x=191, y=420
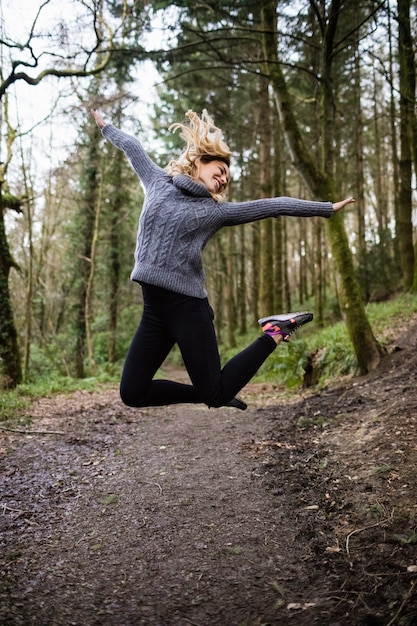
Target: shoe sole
x=285, y=324
x=293, y=318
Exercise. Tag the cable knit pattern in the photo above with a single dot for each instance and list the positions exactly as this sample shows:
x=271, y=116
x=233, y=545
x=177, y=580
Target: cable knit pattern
x=179, y=216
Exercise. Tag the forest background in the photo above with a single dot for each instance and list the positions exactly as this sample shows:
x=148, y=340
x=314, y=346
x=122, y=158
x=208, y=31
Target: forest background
x=317, y=99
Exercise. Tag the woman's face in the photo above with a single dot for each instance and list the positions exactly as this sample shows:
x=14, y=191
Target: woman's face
x=214, y=175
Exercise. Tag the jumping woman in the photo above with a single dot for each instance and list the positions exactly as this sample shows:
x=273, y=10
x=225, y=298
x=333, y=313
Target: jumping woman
x=184, y=207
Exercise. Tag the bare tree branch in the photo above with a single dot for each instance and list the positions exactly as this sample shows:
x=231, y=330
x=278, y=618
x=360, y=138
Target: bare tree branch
x=16, y=73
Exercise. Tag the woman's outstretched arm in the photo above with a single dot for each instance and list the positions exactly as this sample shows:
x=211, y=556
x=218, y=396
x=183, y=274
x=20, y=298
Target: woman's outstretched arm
x=339, y=205
x=99, y=120
x=143, y=165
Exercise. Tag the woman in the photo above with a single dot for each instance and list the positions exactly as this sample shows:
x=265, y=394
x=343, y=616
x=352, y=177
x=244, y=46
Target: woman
x=184, y=207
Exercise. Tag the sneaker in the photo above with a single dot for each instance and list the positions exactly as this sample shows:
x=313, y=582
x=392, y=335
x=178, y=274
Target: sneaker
x=284, y=325
x=237, y=403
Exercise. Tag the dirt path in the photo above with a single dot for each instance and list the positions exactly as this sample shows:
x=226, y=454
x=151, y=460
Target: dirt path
x=302, y=512
x=139, y=517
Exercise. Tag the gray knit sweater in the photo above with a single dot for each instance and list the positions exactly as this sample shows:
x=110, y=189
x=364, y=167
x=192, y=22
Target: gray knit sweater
x=179, y=216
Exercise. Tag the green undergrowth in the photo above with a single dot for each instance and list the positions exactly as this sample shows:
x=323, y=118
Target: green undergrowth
x=15, y=402
x=329, y=347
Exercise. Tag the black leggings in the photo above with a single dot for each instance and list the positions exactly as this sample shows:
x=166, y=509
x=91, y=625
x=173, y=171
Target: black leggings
x=169, y=318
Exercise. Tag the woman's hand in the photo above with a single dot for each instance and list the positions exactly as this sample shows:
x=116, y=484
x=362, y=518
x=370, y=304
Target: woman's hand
x=99, y=120
x=339, y=205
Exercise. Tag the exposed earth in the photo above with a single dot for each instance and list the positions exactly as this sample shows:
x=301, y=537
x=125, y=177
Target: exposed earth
x=300, y=511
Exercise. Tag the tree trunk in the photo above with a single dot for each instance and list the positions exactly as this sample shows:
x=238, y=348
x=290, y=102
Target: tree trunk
x=279, y=252
x=380, y=174
x=88, y=218
x=217, y=263
x=30, y=276
x=394, y=138
x=286, y=283
x=367, y=350
x=318, y=275
x=266, y=276
x=11, y=367
x=360, y=178
x=407, y=99
x=90, y=281
x=114, y=254
x=10, y=360
x=321, y=185
x=242, y=292
x=230, y=284
x=302, y=269
x=115, y=239
x=255, y=228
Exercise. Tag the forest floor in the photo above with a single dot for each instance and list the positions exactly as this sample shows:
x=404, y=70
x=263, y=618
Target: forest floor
x=299, y=512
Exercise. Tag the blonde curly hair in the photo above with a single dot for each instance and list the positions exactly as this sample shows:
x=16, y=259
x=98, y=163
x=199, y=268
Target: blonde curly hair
x=204, y=141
